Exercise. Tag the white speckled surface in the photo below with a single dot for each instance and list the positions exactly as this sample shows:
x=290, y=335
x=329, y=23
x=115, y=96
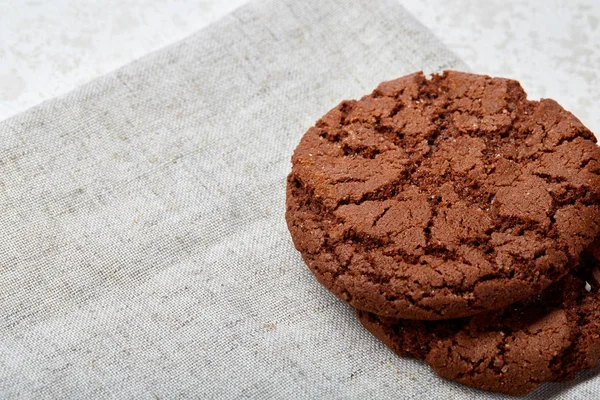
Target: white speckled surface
x=49, y=48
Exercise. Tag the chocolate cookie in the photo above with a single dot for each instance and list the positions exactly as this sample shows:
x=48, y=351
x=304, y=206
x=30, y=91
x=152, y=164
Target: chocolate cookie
x=445, y=197
x=547, y=338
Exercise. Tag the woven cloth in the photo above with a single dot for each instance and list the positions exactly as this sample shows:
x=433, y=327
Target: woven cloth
x=144, y=249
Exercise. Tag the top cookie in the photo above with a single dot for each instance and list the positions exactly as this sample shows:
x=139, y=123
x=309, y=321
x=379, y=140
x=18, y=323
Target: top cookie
x=443, y=198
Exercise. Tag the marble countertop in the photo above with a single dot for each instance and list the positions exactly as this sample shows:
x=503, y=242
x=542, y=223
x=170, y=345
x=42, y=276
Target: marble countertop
x=50, y=48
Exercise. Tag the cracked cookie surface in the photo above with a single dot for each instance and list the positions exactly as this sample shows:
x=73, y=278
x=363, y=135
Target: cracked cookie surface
x=549, y=337
x=443, y=198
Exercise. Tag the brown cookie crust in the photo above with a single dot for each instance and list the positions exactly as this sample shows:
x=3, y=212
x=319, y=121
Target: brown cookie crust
x=547, y=338
x=443, y=198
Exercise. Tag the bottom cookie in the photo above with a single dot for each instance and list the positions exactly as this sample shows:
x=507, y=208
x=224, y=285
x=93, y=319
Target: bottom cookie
x=547, y=338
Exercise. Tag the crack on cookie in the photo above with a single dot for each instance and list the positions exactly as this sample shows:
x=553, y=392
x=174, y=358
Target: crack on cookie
x=346, y=107
x=585, y=163
x=377, y=218
x=362, y=151
x=550, y=178
x=388, y=191
x=348, y=179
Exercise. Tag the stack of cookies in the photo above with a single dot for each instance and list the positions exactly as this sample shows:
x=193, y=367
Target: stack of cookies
x=459, y=219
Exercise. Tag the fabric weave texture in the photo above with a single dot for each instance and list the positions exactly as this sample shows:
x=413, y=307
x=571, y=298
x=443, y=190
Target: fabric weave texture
x=144, y=249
